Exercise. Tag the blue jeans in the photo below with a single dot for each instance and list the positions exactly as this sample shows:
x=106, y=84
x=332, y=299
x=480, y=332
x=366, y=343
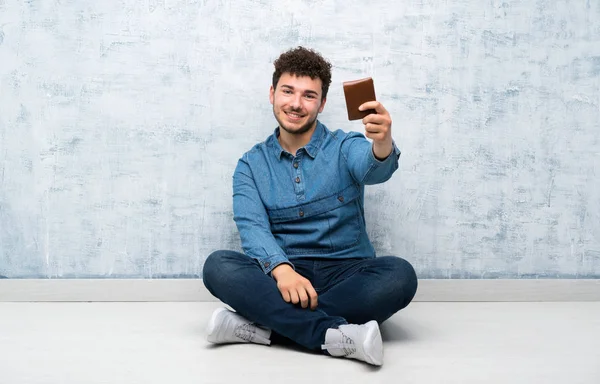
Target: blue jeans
x=349, y=291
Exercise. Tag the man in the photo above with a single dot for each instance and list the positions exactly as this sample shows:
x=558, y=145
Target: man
x=309, y=273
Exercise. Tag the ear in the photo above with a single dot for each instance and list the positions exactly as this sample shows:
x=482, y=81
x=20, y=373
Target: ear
x=322, y=105
x=271, y=94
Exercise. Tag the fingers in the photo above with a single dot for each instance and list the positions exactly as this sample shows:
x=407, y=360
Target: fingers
x=294, y=296
x=303, y=297
x=286, y=296
x=374, y=128
x=313, y=297
x=308, y=296
x=376, y=132
x=376, y=119
x=296, y=289
x=376, y=105
x=378, y=125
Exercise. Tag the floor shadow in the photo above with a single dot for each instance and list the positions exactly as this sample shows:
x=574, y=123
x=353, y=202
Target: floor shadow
x=296, y=348
x=392, y=331
x=291, y=346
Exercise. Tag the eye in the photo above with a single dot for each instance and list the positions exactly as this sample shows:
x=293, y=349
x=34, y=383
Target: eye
x=287, y=91
x=311, y=96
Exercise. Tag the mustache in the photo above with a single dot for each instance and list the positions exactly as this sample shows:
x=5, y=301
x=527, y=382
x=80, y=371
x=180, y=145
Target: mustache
x=295, y=110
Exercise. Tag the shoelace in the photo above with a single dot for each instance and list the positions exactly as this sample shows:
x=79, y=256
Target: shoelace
x=245, y=332
x=346, y=345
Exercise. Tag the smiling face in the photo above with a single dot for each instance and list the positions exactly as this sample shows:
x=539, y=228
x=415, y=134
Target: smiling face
x=297, y=101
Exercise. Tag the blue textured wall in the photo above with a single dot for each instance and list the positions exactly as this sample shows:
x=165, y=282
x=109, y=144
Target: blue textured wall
x=121, y=123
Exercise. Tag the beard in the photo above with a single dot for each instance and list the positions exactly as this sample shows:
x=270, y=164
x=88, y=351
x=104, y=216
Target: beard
x=294, y=131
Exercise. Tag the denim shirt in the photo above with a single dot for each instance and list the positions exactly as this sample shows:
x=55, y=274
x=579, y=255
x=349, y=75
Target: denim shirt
x=308, y=205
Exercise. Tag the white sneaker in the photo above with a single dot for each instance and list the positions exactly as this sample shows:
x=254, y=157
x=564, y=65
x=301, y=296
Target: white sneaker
x=361, y=342
x=226, y=326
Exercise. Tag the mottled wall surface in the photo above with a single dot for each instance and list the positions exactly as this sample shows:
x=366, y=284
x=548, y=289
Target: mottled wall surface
x=121, y=123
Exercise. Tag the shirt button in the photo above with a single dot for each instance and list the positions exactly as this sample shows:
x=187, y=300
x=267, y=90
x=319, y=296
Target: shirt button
x=296, y=165
x=297, y=179
x=301, y=213
x=267, y=264
x=341, y=199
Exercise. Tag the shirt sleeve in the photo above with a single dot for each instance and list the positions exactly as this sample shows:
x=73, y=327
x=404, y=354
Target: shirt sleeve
x=364, y=167
x=252, y=221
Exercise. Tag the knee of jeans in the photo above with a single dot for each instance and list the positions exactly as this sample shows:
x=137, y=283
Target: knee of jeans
x=404, y=280
x=215, y=267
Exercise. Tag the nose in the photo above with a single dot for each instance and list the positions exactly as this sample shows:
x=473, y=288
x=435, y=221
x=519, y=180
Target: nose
x=295, y=102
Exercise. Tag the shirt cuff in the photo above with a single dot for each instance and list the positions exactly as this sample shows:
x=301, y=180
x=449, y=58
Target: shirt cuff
x=269, y=263
x=395, y=154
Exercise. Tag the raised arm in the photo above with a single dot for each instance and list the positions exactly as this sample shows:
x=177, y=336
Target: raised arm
x=372, y=163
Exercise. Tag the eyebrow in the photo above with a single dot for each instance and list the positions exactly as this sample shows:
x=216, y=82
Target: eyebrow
x=307, y=91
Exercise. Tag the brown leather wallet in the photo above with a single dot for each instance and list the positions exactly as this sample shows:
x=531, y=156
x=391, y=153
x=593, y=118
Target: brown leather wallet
x=358, y=92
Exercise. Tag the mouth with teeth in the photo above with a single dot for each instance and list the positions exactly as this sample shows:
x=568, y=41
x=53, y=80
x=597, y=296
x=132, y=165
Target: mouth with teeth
x=294, y=116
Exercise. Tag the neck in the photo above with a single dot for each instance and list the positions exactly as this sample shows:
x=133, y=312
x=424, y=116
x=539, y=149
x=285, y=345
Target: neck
x=292, y=142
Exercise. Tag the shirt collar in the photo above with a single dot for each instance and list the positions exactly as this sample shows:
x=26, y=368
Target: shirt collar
x=312, y=148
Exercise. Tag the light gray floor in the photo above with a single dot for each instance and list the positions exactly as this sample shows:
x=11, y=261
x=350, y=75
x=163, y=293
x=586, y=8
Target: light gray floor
x=425, y=343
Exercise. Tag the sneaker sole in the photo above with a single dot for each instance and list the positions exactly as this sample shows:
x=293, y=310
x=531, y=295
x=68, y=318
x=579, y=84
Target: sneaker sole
x=374, y=344
x=211, y=329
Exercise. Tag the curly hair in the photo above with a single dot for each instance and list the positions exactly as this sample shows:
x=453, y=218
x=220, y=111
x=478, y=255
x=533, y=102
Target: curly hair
x=301, y=61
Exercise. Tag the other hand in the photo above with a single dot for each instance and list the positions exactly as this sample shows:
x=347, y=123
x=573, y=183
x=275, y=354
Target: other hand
x=294, y=287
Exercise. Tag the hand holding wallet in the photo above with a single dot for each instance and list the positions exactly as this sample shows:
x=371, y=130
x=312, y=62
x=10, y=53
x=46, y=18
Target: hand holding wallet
x=358, y=92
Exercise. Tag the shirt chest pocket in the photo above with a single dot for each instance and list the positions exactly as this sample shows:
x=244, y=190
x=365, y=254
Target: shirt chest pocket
x=318, y=227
